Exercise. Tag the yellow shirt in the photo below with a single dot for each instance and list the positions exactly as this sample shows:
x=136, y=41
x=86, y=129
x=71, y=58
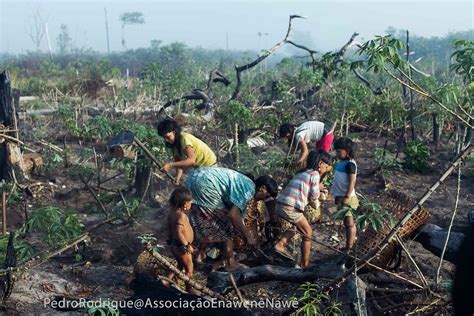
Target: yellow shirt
x=205, y=157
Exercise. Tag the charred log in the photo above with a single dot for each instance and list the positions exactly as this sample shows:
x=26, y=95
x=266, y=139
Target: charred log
x=326, y=268
x=433, y=237
x=197, y=94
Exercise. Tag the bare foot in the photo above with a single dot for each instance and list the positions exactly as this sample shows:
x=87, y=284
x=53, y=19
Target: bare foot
x=165, y=283
x=217, y=265
x=194, y=291
x=199, y=257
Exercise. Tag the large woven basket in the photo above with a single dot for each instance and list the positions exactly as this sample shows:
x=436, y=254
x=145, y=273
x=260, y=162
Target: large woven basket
x=398, y=204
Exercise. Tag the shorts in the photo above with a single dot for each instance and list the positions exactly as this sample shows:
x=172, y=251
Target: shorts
x=353, y=203
x=288, y=213
x=326, y=142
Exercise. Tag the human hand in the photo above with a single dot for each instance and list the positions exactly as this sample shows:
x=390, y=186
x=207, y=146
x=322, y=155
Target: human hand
x=322, y=196
x=251, y=241
x=345, y=201
x=167, y=167
x=191, y=249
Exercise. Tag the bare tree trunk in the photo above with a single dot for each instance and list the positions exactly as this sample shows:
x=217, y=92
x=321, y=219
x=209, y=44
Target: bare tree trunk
x=468, y=138
x=7, y=113
x=435, y=128
x=107, y=30
x=410, y=98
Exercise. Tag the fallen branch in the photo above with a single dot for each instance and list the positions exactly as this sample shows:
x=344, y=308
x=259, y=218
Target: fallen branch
x=30, y=263
x=417, y=269
x=152, y=157
x=99, y=202
x=162, y=260
x=232, y=280
x=450, y=225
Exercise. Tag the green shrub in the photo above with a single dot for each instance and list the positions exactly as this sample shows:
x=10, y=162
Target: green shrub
x=417, y=156
x=57, y=225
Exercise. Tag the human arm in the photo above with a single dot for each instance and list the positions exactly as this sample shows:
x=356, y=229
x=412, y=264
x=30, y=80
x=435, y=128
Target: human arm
x=179, y=174
x=314, y=191
x=304, y=152
x=350, y=188
x=188, y=162
x=181, y=233
x=237, y=222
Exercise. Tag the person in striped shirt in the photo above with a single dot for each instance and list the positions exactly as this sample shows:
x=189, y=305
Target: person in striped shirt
x=302, y=190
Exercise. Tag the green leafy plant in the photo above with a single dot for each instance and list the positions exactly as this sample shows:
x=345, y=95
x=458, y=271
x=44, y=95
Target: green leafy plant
x=417, y=156
x=265, y=163
x=367, y=213
x=464, y=59
x=13, y=194
x=236, y=112
x=53, y=160
x=312, y=301
x=107, y=308
x=23, y=249
x=58, y=226
x=147, y=238
x=128, y=208
x=334, y=309
x=374, y=214
x=386, y=160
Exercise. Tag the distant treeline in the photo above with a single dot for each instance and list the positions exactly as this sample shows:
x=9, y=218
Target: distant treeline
x=431, y=54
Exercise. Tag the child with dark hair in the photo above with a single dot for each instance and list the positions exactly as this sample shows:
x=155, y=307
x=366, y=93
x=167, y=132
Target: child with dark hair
x=188, y=150
x=343, y=187
x=181, y=234
x=302, y=190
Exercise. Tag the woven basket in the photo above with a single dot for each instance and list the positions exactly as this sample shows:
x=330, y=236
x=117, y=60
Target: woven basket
x=146, y=263
x=398, y=204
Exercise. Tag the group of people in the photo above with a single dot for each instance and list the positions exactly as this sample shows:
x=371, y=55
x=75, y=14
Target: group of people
x=213, y=205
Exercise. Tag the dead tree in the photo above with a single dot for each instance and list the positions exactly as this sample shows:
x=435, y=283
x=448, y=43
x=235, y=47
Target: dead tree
x=216, y=76
x=436, y=131
x=197, y=94
x=240, y=69
x=368, y=84
x=11, y=160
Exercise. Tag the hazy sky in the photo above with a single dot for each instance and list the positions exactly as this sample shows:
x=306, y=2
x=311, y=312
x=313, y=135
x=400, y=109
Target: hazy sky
x=206, y=23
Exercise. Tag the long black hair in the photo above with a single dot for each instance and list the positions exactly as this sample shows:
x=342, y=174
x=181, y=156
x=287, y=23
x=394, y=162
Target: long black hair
x=315, y=157
x=169, y=125
x=269, y=183
x=286, y=129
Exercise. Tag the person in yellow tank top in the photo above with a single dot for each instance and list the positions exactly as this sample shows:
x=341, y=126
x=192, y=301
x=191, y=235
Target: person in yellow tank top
x=188, y=150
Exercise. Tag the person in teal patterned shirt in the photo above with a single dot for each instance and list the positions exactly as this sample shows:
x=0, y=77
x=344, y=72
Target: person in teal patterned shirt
x=220, y=198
